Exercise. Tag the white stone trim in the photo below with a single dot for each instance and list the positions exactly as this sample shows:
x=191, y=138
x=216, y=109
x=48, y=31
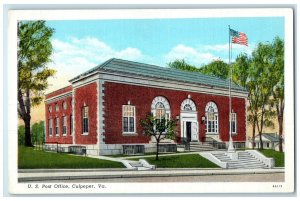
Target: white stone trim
x=98, y=114
x=88, y=80
x=188, y=117
x=190, y=102
x=58, y=97
x=101, y=114
x=158, y=83
x=73, y=116
x=161, y=99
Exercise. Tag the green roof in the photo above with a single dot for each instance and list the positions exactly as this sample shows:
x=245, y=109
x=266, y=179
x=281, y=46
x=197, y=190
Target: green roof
x=273, y=137
x=147, y=70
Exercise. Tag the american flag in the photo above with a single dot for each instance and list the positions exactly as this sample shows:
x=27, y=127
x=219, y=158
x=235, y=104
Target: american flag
x=239, y=37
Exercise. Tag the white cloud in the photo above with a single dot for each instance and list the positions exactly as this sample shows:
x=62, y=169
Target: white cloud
x=204, y=54
x=78, y=55
x=223, y=48
x=190, y=54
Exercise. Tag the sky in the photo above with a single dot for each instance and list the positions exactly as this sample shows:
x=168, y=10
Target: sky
x=82, y=45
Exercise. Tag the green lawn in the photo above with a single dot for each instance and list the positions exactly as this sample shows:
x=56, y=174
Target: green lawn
x=181, y=161
x=28, y=158
x=278, y=156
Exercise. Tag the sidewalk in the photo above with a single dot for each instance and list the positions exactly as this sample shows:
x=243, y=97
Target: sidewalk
x=72, y=174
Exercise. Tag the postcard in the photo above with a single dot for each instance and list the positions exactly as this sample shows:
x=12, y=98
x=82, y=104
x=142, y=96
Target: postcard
x=115, y=101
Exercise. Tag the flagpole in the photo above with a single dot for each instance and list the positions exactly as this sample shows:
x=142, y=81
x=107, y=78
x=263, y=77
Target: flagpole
x=230, y=143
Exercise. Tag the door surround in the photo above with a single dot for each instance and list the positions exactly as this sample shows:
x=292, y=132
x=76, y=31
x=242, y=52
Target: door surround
x=189, y=116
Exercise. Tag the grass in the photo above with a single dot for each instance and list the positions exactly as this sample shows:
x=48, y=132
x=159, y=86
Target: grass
x=278, y=156
x=28, y=158
x=141, y=155
x=181, y=161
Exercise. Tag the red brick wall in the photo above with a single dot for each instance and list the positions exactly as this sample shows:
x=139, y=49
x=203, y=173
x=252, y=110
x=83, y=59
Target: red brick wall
x=68, y=139
x=86, y=95
x=117, y=95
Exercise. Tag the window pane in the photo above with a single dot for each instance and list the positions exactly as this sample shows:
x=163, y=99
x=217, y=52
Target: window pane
x=86, y=125
x=131, y=124
x=125, y=124
x=209, y=126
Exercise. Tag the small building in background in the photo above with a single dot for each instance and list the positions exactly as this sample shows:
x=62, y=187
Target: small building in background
x=270, y=141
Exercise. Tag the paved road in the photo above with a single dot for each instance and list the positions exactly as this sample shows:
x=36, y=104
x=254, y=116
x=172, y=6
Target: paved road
x=272, y=177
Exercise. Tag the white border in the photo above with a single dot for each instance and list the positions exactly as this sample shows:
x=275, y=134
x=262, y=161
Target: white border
x=211, y=187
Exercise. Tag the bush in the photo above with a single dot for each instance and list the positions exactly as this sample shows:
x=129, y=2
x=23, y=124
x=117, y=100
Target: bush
x=21, y=135
x=37, y=133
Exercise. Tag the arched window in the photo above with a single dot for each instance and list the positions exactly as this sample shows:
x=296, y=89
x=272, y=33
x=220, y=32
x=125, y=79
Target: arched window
x=188, y=105
x=56, y=107
x=64, y=105
x=160, y=108
x=212, y=120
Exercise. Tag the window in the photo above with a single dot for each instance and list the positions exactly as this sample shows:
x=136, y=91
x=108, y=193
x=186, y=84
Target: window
x=64, y=123
x=160, y=109
x=233, y=123
x=128, y=119
x=57, y=126
x=64, y=105
x=50, y=108
x=85, y=120
x=71, y=125
x=212, y=121
x=188, y=105
x=50, y=125
x=56, y=107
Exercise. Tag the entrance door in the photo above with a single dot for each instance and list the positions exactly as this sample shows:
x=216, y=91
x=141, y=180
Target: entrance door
x=188, y=131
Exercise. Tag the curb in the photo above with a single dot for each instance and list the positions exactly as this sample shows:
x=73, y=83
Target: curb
x=142, y=174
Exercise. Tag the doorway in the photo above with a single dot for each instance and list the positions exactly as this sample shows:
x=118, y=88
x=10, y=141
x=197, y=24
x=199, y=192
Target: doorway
x=188, y=131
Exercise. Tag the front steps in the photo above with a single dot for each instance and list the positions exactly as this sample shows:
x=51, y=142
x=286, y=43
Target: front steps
x=197, y=147
x=244, y=161
x=138, y=165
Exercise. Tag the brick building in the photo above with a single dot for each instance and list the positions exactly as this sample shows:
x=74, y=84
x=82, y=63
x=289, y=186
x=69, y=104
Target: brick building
x=102, y=107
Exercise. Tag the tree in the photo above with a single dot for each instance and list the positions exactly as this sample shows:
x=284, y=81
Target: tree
x=159, y=129
x=262, y=84
x=216, y=68
x=21, y=135
x=37, y=130
x=241, y=74
x=182, y=65
x=34, y=51
x=277, y=78
x=241, y=68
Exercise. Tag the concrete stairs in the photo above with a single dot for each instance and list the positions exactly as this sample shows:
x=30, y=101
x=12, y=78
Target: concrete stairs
x=244, y=161
x=196, y=146
x=138, y=165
